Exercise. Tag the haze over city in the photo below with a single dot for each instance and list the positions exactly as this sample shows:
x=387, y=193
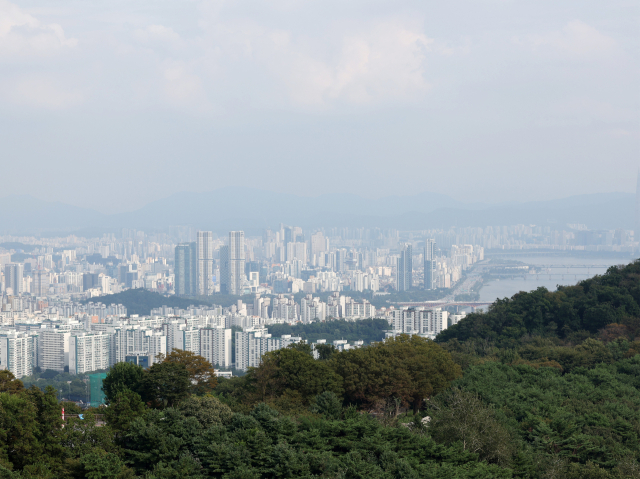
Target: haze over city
x=328, y=239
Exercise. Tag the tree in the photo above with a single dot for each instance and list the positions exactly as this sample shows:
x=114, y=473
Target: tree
x=124, y=408
x=325, y=351
x=461, y=416
x=289, y=371
x=9, y=383
x=122, y=377
x=208, y=410
x=430, y=368
x=327, y=404
x=165, y=384
x=201, y=372
x=407, y=368
x=101, y=465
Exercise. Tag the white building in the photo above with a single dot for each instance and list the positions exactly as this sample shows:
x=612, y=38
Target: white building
x=423, y=322
x=53, y=349
x=312, y=309
x=252, y=344
x=354, y=310
x=215, y=346
x=18, y=353
x=88, y=352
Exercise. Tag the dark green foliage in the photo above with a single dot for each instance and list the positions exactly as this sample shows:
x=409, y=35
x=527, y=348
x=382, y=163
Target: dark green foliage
x=120, y=378
x=123, y=409
x=459, y=416
x=141, y=301
x=368, y=330
x=589, y=415
x=267, y=444
x=583, y=309
x=165, y=384
x=328, y=404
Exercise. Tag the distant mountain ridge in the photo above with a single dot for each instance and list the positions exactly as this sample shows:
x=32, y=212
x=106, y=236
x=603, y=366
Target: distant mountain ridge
x=234, y=208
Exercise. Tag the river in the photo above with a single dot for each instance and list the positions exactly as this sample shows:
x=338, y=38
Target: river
x=507, y=287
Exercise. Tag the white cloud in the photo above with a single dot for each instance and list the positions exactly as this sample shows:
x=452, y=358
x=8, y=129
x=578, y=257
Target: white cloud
x=22, y=34
x=41, y=92
x=157, y=33
x=375, y=62
x=576, y=39
x=180, y=85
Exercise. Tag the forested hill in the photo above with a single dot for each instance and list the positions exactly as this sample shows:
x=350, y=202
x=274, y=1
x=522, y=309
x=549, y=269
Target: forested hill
x=140, y=301
x=607, y=302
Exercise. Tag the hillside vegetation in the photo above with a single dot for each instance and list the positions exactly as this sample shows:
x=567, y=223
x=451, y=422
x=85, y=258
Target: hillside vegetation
x=141, y=301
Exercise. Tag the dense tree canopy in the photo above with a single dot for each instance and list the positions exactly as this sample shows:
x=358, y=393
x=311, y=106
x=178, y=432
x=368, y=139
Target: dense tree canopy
x=571, y=312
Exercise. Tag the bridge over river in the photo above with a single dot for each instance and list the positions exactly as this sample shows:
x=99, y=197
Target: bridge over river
x=443, y=303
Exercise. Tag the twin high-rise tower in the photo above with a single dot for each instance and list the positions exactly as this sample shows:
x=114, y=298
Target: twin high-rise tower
x=404, y=270
x=194, y=265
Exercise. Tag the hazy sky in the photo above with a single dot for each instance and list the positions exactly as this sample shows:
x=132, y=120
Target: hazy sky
x=113, y=104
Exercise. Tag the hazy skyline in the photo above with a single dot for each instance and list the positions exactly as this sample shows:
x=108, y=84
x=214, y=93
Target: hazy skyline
x=113, y=105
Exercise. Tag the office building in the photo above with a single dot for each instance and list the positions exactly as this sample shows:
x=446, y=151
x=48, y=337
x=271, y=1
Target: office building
x=404, y=270
x=204, y=263
x=430, y=264
x=185, y=269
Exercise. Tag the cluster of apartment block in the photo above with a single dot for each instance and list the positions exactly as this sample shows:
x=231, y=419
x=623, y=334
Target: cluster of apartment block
x=421, y=321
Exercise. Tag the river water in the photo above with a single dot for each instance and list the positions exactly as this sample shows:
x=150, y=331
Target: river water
x=507, y=287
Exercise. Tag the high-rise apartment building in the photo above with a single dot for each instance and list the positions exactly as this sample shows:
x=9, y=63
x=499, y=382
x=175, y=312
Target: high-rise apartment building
x=215, y=346
x=53, y=349
x=404, y=271
x=88, y=352
x=236, y=262
x=13, y=278
x=18, y=353
x=430, y=264
x=204, y=263
x=185, y=269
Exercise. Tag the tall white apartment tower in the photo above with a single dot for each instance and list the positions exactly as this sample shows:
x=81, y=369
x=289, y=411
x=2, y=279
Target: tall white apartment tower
x=204, y=263
x=88, y=352
x=18, y=353
x=236, y=262
x=429, y=264
x=215, y=346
